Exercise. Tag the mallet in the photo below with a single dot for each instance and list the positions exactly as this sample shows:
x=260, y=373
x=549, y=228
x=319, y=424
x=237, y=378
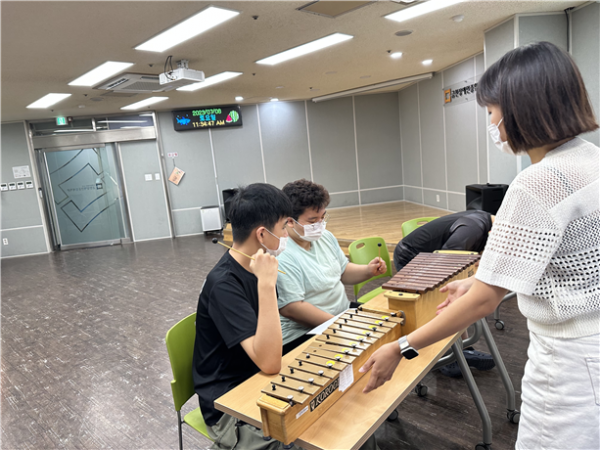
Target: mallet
x=216, y=241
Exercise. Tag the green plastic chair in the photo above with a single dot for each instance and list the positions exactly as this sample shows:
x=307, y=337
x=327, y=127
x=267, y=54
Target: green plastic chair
x=411, y=225
x=180, y=346
x=363, y=251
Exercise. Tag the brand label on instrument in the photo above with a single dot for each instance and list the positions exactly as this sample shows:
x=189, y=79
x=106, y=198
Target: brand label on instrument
x=302, y=411
x=320, y=398
x=346, y=378
x=470, y=273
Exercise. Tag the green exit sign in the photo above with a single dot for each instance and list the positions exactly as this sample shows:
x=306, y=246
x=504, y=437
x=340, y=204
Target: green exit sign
x=61, y=121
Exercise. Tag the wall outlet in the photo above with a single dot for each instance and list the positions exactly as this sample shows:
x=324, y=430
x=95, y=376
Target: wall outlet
x=5, y=241
x=437, y=198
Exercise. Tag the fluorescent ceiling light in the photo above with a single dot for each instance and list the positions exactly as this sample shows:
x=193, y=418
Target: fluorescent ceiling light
x=420, y=9
x=48, y=100
x=121, y=121
x=303, y=49
x=223, y=76
x=195, y=25
x=72, y=130
x=100, y=73
x=274, y=99
x=372, y=87
x=148, y=101
x=396, y=55
x=427, y=62
x=239, y=99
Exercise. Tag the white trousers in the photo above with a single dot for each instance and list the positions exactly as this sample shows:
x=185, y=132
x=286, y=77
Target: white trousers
x=561, y=395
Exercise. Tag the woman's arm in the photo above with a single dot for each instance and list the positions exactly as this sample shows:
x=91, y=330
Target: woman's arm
x=482, y=299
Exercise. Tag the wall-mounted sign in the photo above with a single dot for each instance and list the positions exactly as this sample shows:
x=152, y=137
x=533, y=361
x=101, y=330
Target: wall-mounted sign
x=176, y=176
x=207, y=117
x=21, y=172
x=61, y=120
x=461, y=92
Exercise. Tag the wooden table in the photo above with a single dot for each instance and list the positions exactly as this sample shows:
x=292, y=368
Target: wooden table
x=355, y=416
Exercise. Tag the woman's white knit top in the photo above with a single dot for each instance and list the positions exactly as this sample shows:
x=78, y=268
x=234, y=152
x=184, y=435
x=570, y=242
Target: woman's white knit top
x=545, y=242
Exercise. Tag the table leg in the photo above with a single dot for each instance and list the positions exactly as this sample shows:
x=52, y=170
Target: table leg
x=457, y=348
x=512, y=413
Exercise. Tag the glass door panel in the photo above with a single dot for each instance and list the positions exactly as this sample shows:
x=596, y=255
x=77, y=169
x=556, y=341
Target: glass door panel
x=86, y=197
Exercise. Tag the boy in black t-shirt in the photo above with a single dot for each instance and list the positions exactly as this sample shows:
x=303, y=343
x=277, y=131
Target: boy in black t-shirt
x=238, y=332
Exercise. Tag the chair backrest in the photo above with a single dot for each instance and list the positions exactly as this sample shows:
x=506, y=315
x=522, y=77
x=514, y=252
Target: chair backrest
x=411, y=225
x=363, y=251
x=180, y=346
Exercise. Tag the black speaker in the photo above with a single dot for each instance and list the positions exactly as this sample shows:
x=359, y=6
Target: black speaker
x=227, y=197
x=485, y=197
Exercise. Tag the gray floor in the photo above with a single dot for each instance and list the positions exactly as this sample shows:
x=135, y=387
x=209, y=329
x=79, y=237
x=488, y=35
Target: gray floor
x=84, y=363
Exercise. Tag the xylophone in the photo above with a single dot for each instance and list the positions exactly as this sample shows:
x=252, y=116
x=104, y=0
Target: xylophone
x=319, y=375
x=415, y=288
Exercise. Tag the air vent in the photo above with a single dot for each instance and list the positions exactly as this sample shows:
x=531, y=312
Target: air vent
x=135, y=83
x=119, y=94
x=332, y=9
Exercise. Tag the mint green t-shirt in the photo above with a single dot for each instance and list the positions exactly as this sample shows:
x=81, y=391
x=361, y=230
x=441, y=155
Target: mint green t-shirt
x=312, y=276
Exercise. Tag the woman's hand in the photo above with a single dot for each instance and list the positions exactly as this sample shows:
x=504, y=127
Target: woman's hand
x=455, y=290
x=382, y=364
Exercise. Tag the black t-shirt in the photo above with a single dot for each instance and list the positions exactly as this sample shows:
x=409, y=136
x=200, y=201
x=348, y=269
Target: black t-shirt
x=227, y=314
x=466, y=230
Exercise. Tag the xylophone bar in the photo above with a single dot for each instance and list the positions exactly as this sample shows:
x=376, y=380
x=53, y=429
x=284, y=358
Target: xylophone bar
x=427, y=271
x=318, y=376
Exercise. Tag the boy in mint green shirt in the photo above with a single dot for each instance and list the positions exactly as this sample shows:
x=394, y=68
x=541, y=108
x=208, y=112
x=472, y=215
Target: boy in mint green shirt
x=312, y=291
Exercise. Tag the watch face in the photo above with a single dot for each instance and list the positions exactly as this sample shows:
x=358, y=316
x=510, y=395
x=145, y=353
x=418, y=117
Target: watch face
x=410, y=353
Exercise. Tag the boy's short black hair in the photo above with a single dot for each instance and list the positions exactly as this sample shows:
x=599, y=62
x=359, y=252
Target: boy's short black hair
x=257, y=205
x=305, y=194
x=541, y=94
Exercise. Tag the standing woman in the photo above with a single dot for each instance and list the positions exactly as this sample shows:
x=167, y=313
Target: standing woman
x=544, y=245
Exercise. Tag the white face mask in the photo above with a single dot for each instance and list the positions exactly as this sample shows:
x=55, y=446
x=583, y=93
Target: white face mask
x=495, y=135
x=280, y=249
x=313, y=231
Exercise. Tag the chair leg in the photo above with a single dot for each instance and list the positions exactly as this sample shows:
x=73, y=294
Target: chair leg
x=179, y=430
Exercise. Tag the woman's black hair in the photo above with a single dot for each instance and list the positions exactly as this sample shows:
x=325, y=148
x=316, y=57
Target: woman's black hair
x=541, y=94
x=257, y=205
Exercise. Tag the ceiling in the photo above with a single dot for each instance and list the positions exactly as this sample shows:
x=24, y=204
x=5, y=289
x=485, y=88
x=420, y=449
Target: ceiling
x=47, y=44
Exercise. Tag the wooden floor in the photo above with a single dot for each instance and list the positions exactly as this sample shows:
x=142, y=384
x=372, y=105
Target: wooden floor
x=84, y=363
x=384, y=220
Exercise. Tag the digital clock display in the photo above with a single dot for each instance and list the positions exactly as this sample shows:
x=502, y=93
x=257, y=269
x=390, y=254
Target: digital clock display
x=207, y=117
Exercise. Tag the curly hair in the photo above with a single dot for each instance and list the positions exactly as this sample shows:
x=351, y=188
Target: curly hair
x=305, y=194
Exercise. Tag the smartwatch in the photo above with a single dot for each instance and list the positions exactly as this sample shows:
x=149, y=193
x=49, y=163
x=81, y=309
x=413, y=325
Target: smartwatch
x=407, y=351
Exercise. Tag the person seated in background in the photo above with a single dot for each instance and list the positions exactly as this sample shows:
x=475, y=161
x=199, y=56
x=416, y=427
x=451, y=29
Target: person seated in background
x=317, y=269
x=467, y=230
x=237, y=322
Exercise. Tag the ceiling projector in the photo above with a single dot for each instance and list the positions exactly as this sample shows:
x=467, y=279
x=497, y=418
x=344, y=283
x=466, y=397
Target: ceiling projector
x=182, y=76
